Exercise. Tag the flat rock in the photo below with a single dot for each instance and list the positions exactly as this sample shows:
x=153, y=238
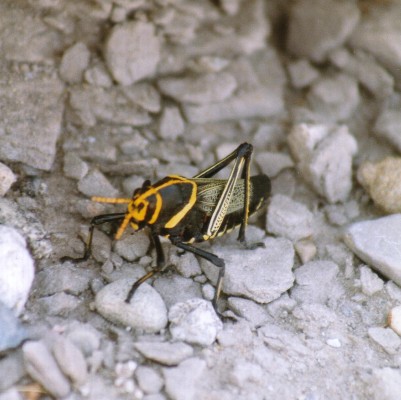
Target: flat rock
x=91, y=105
x=31, y=137
x=261, y=274
x=164, y=352
x=323, y=155
x=381, y=181
x=132, y=51
x=386, y=338
x=94, y=183
x=379, y=34
x=255, y=314
x=316, y=282
x=334, y=98
x=318, y=26
x=370, y=281
x=146, y=310
x=377, y=242
x=272, y=163
x=17, y=269
x=42, y=367
x=288, y=218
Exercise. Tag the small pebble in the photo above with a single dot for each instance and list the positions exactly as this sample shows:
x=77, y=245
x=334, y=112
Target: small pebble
x=186, y=264
x=148, y=379
x=98, y=75
x=394, y=319
x=17, y=268
x=171, y=124
x=132, y=247
x=145, y=96
x=70, y=360
x=302, y=73
x=377, y=243
x=370, y=281
x=316, y=282
x=164, y=352
x=334, y=343
x=387, y=127
x=58, y=304
x=194, y=321
x=180, y=381
x=289, y=218
x=13, y=363
x=386, y=338
x=74, y=62
x=146, y=311
x=132, y=51
x=74, y=167
x=382, y=181
x=84, y=336
x=272, y=163
x=208, y=292
x=7, y=178
x=306, y=250
x=94, y=183
x=254, y=313
x=324, y=158
x=42, y=367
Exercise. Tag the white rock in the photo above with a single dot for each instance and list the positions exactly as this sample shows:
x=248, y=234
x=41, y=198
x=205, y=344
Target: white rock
x=91, y=105
x=74, y=62
x=31, y=138
x=74, y=167
x=201, y=89
x=255, y=314
x=302, y=73
x=7, y=178
x=171, y=124
x=181, y=381
x=306, y=250
x=334, y=98
x=288, y=218
x=318, y=26
x=336, y=343
x=272, y=163
x=146, y=310
x=379, y=33
x=261, y=274
x=364, y=68
x=378, y=243
x=370, y=282
x=98, y=75
x=17, y=269
x=144, y=95
x=132, y=247
x=94, y=183
x=42, y=367
x=70, y=360
x=394, y=319
x=148, y=379
x=324, y=158
x=386, y=338
x=164, y=352
x=132, y=51
x=316, y=282
x=194, y=321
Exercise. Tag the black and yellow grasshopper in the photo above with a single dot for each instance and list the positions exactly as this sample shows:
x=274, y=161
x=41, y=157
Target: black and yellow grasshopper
x=191, y=210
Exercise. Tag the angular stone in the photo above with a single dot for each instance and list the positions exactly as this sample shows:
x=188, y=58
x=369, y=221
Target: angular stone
x=146, y=310
x=7, y=178
x=318, y=26
x=164, y=352
x=132, y=51
x=377, y=242
x=324, y=157
x=261, y=274
x=387, y=126
x=30, y=137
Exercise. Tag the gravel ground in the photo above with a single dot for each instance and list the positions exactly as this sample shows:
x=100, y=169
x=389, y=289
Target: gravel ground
x=97, y=96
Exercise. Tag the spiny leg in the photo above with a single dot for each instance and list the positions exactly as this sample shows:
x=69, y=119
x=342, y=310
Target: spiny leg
x=160, y=267
x=217, y=261
x=98, y=220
